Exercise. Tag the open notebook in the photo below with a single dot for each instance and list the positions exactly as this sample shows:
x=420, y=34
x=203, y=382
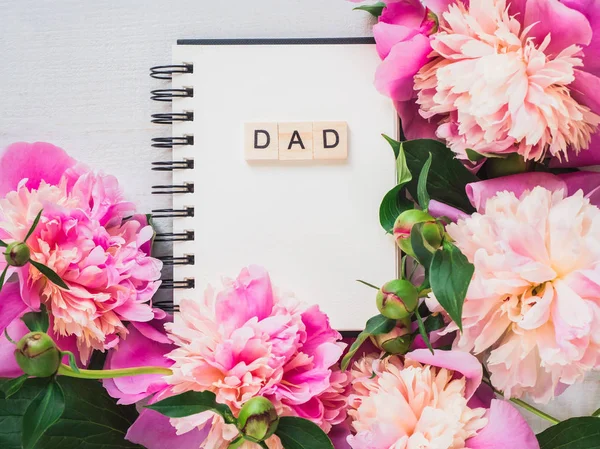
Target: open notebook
x=312, y=223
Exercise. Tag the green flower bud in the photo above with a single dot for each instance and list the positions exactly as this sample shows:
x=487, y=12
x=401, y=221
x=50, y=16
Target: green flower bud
x=397, y=299
x=432, y=233
x=258, y=419
x=17, y=254
x=37, y=355
x=403, y=226
x=513, y=164
x=396, y=342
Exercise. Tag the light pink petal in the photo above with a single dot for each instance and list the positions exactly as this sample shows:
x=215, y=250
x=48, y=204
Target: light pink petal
x=591, y=10
x=458, y=361
x=413, y=124
x=480, y=192
x=438, y=209
x=154, y=431
x=387, y=35
x=34, y=161
x=8, y=365
x=394, y=77
x=11, y=304
x=587, y=181
x=506, y=429
x=566, y=26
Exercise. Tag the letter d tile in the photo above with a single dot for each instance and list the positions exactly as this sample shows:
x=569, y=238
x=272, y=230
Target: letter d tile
x=261, y=141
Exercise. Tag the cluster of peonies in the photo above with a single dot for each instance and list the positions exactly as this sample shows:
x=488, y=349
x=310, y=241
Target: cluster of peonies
x=495, y=76
x=88, y=236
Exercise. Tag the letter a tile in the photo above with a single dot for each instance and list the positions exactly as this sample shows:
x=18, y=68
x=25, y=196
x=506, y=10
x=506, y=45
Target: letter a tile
x=261, y=141
x=295, y=141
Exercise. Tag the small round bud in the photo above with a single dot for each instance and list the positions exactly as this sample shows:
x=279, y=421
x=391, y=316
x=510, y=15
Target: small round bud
x=258, y=419
x=404, y=224
x=37, y=355
x=432, y=233
x=510, y=165
x=397, y=299
x=17, y=254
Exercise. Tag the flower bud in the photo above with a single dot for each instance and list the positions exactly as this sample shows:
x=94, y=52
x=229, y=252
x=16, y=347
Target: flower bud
x=403, y=225
x=17, y=254
x=432, y=233
x=258, y=419
x=37, y=355
x=397, y=299
x=396, y=342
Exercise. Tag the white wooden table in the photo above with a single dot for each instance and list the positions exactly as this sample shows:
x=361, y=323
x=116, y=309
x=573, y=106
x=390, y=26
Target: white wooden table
x=75, y=73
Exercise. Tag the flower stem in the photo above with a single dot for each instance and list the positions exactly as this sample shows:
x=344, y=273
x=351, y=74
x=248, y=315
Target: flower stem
x=65, y=370
x=530, y=408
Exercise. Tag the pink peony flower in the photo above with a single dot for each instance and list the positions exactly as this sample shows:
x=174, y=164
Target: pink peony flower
x=495, y=76
x=533, y=307
x=250, y=341
x=84, y=237
x=427, y=401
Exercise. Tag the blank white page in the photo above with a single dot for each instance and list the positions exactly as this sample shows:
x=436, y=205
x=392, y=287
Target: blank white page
x=314, y=225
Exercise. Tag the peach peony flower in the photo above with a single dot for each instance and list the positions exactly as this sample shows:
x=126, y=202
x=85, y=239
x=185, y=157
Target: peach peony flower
x=84, y=237
x=496, y=76
x=533, y=307
x=427, y=402
x=249, y=341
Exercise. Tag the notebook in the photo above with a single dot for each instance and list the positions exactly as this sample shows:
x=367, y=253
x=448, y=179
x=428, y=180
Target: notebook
x=311, y=222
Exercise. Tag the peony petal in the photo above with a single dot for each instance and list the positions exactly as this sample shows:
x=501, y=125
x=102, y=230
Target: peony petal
x=34, y=161
x=394, y=77
x=584, y=158
x=339, y=435
x=458, y=361
x=586, y=90
x=480, y=192
x=9, y=368
x=439, y=6
x=408, y=13
x=565, y=25
x=11, y=304
x=413, y=124
x=591, y=10
x=154, y=431
x=587, y=181
x=502, y=417
x=387, y=35
x=437, y=209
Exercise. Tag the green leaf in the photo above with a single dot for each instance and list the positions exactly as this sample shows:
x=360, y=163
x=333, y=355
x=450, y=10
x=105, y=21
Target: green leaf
x=3, y=244
x=44, y=411
x=450, y=275
x=574, y=433
x=422, y=253
x=423, y=331
x=50, y=274
x=72, y=361
x=447, y=177
x=34, y=225
x=14, y=385
x=37, y=321
x=299, y=433
x=474, y=156
x=596, y=413
x=3, y=277
x=375, y=9
x=376, y=325
x=422, y=194
x=402, y=172
x=92, y=419
x=394, y=144
x=434, y=323
x=392, y=205
x=192, y=403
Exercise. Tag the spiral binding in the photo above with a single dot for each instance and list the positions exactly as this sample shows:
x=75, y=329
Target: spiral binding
x=166, y=72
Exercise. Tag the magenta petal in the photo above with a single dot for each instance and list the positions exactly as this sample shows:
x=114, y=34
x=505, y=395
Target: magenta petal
x=480, y=192
x=585, y=158
x=586, y=90
x=387, y=35
x=34, y=161
x=339, y=435
x=438, y=209
x=458, y=361
x=408, y=13
x=439, y=6
x=567, y=26
x=395, y=75
x=413, y=125
x=506, y=429
x=8, y=365
x=591, y=10
x=587, y=181
x=154, y=431
x=11, y=304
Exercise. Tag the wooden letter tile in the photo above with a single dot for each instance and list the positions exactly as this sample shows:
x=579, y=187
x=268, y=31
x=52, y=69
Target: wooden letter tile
x=331, y=140
x=295, y=141
x=261, y=141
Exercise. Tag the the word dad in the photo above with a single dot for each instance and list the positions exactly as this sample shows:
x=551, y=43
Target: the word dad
x=296, y=141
